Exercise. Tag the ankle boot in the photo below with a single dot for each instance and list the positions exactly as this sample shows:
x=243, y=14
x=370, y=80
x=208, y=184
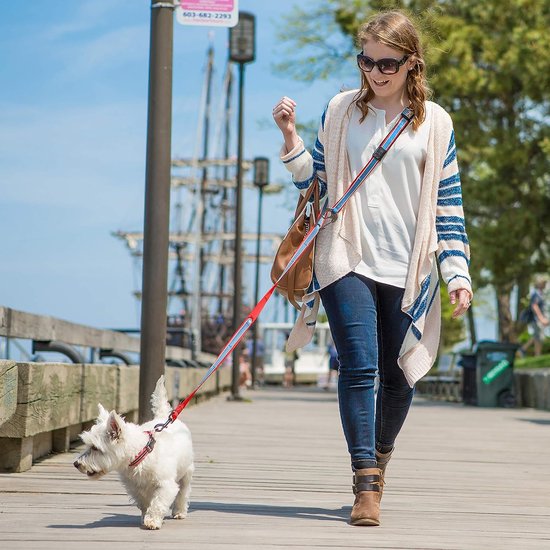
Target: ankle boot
x=366, y=487
x=382, y=460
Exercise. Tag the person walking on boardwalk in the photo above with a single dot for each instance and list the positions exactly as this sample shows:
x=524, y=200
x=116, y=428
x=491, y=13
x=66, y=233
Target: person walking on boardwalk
x=376, y=262
x=536, y=319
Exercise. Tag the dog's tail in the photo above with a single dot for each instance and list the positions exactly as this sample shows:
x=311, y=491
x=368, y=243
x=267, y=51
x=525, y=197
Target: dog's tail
x=159, y=400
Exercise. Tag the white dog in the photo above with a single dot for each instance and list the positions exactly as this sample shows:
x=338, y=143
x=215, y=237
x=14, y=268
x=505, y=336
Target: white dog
x=162, y=479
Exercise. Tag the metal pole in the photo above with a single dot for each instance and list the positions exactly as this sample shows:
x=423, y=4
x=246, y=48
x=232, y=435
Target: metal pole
x=257, y=285
x=237, y=275
x=157, y=206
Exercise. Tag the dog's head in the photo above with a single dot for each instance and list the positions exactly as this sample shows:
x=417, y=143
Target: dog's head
x=105, y=449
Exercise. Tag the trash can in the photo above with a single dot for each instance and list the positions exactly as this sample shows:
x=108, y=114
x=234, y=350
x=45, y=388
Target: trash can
x=488, y=375
x=469, y=384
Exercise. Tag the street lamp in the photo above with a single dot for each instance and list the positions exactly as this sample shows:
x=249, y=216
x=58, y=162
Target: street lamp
x=261, y=179
x=242, y=49
x=242, y=44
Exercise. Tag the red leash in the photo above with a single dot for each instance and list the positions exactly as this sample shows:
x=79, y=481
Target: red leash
x=235, y=339
x=324, y=214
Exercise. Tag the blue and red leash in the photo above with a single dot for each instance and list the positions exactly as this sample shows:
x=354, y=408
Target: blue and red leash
x=323, y=215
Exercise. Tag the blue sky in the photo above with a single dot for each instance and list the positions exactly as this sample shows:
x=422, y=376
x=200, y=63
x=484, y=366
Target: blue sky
x=73, y=106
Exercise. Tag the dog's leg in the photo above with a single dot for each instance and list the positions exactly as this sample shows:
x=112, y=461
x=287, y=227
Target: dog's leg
x=181, y=504
x=163, y=496
x=136, y=495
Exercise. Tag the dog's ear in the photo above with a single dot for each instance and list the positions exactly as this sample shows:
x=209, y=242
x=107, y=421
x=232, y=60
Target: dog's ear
x=114, y=426
x=103, y=414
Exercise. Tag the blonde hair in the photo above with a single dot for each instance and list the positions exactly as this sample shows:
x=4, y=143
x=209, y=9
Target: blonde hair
x=396, y=30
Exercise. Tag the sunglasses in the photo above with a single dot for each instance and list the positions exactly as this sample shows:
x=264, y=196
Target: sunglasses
x=385, y=66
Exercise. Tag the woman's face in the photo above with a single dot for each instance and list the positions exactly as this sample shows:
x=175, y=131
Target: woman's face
x=386, y=85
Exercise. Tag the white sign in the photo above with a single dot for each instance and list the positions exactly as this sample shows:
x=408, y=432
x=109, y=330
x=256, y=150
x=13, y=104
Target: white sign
x=211, y=13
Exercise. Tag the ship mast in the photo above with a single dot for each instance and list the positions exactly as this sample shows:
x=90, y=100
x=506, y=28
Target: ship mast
x=202, y=239
x=200, y=213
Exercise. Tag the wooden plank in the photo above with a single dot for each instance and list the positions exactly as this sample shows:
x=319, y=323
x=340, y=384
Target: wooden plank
x=273, y=473
x=8, y=390
x=19, y=324
x=99, y=385
x=48, y=399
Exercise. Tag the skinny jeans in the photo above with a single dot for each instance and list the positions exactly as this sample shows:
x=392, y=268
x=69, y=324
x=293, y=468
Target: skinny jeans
x=368, y=328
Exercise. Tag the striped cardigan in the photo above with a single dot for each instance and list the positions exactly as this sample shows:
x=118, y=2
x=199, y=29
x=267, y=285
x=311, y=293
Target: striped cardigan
x=440, y=232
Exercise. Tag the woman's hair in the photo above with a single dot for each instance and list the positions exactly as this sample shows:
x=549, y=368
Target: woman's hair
x=395, y=29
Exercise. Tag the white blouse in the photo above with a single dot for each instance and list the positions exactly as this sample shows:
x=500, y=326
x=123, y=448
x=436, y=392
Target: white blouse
x=389, y=198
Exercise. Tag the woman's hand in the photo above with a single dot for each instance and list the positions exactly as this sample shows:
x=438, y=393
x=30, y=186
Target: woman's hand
x=284, y=115
x=462, y=298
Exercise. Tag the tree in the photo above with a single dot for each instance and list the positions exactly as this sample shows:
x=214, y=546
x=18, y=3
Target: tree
x=489, y=67
x=451, y=332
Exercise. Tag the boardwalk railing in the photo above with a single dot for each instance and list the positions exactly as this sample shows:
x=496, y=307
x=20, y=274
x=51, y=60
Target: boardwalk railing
x=42, y=329
x=44, y=406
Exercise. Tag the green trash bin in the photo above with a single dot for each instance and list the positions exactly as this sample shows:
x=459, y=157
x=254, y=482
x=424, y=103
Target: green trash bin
x=495, y=374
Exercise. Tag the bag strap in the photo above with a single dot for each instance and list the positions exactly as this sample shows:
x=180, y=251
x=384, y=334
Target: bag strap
x=312, y=190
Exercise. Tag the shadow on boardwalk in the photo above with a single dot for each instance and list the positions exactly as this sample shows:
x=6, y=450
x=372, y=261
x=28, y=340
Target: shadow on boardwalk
x=274, y=473
x=295, y=512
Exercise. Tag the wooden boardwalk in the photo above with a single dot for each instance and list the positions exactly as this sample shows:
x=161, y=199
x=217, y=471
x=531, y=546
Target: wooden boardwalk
x=273, y=473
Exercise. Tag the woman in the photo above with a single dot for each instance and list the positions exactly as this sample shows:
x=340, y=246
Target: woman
x=375, y=264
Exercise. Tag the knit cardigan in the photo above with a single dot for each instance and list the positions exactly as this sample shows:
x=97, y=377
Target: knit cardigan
x=440, y=231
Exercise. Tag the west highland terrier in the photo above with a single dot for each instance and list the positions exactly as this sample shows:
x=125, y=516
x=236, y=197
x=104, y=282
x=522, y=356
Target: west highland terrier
x=162, y=479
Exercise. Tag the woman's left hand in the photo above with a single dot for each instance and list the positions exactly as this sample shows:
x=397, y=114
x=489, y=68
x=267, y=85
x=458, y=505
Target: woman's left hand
x=462, y=298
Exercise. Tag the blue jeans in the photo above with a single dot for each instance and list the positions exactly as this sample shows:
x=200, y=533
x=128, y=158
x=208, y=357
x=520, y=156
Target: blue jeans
x=368, y=328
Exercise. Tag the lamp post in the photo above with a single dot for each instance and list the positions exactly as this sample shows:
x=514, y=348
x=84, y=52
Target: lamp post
x=157, y=205
x=241, y=50
x=261, y=179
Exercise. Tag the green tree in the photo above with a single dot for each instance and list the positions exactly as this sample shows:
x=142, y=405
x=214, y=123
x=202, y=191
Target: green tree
x=489, y=66
x=451, y=332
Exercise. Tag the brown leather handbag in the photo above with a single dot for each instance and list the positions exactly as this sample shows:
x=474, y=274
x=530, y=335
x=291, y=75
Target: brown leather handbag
x=293, y=286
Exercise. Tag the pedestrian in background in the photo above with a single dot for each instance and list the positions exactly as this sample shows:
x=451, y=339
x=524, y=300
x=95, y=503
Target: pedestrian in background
x=535, y=317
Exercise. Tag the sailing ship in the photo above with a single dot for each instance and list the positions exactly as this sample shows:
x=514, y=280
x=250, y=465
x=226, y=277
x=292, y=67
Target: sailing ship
x=202, y=249
x=202, y=229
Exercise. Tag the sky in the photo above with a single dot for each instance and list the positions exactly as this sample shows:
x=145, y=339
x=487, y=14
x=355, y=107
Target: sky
x=73, y=115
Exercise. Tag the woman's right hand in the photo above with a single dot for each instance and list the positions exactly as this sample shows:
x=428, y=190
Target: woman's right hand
x=284, y=115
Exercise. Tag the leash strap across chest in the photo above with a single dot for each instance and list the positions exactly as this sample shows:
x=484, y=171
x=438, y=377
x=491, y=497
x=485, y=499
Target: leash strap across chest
x=324, y=215
x=404, y=120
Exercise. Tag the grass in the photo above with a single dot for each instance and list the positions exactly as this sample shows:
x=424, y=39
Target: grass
x=540, y=362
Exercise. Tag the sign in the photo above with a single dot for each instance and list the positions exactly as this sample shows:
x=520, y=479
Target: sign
x=211, y=13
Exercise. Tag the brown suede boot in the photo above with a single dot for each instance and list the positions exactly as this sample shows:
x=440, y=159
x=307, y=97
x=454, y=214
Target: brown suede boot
x=366, y=487
x=382, y=462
